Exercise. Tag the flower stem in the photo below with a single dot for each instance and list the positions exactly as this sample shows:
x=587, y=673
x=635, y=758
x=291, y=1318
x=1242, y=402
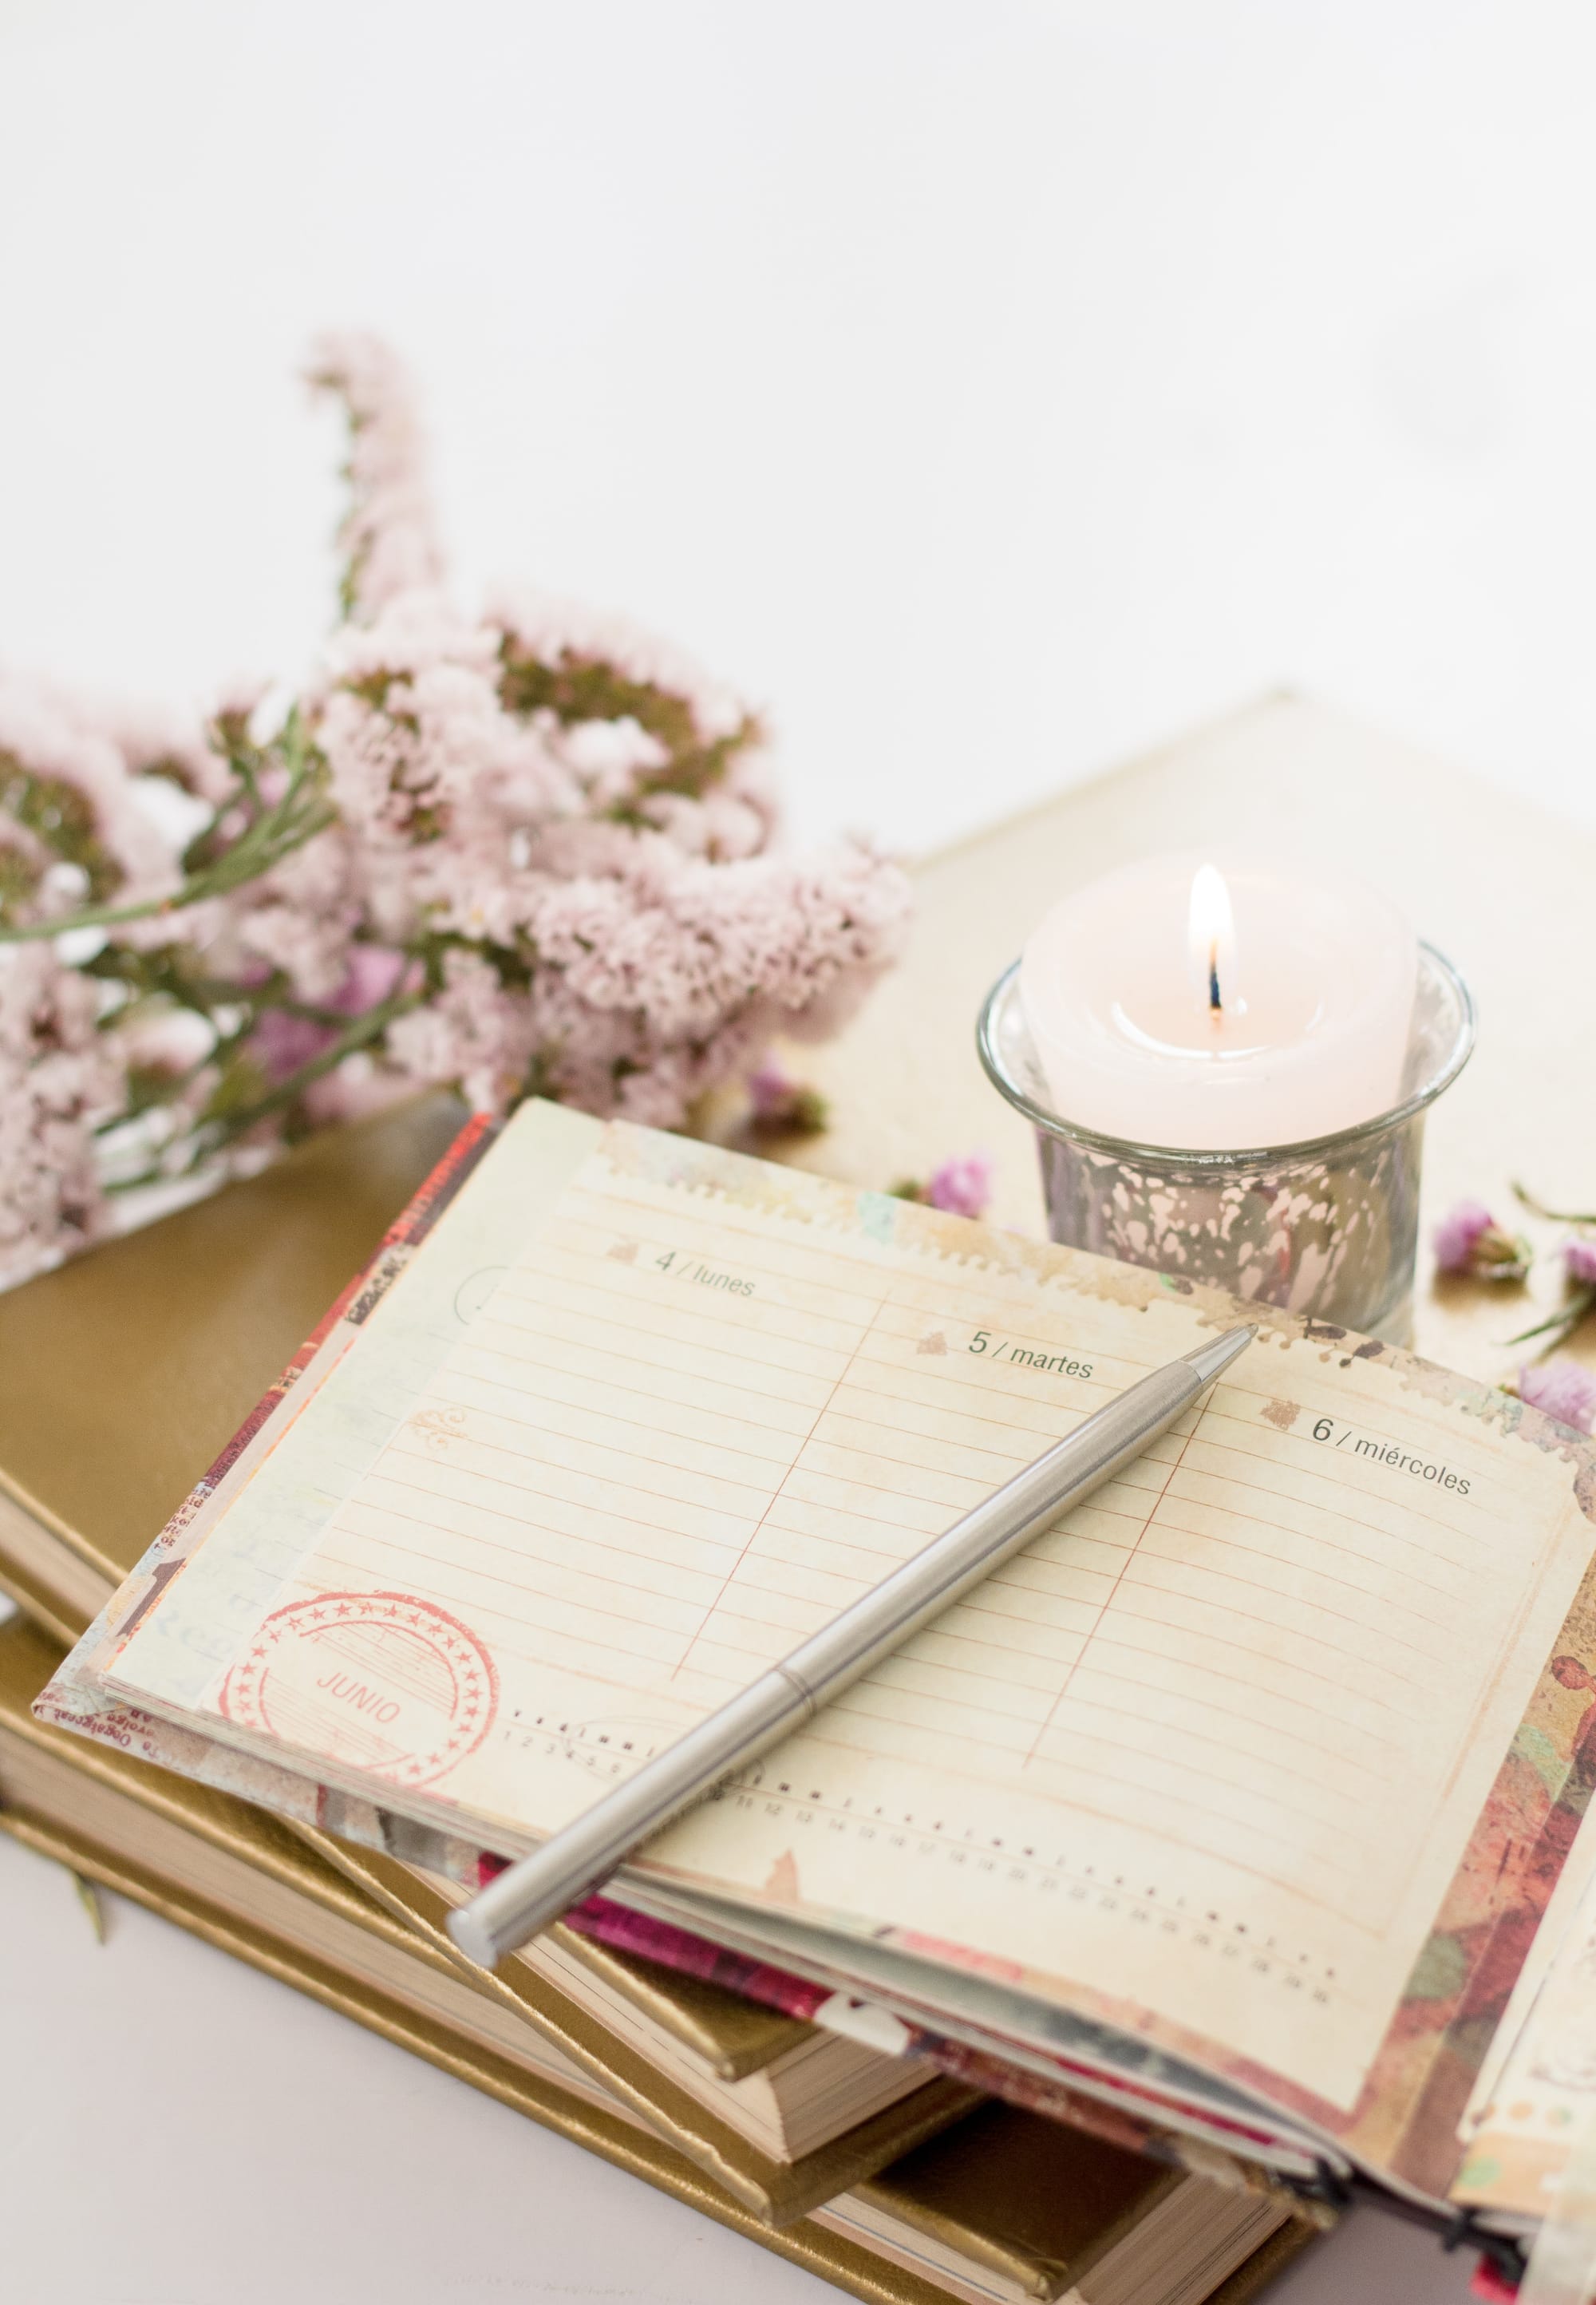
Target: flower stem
x=1552, y=1216
x=297, y=816
x=358, y=1033
x=1562, y=1322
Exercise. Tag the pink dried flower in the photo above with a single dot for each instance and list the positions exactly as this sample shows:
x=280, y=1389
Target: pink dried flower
x=168, y=1057
x=782, y=1106
x=389, y=533
x=560, y=824
x=168, y=1042
x=282, y=1042
x=550, y=629
x=770, y=1089
x=361, y=1085
x=474, y=1035
x=158, y=740
x=300, y=917
x=1458, y=1234
x=1469, y=1239
x=58, y=1078
x=1560, y=1388
x=70, y=819
x=1579, y=1261
x=962, y=1187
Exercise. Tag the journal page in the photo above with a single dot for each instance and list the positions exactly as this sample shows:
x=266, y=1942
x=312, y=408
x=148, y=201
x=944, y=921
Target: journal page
x=1208, y=1752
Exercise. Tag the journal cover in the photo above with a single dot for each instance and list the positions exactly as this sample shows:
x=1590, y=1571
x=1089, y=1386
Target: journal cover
x=185, y=1324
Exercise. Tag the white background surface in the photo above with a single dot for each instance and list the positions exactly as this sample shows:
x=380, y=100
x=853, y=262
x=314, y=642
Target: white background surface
x=176, y=2129
x=991, y=388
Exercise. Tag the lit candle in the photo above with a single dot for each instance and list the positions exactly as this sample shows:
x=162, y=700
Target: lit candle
x=1222, y=1003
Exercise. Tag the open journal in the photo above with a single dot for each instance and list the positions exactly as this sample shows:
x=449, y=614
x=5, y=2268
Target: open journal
x=1241, y=1795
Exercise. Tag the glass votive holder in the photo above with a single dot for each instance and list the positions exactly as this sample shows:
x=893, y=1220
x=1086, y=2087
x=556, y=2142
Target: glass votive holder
x=1328, y=1228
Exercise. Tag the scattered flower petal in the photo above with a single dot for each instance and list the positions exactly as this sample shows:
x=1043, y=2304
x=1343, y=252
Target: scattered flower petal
x=962, y=1187
x=1561, y=1388
x=1458, y=1233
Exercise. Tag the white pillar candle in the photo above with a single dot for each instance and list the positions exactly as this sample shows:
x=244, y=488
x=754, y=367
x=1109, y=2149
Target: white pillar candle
x=1219, y=1002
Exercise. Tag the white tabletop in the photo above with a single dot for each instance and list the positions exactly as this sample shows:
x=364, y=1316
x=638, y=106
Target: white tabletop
x=176, y=2128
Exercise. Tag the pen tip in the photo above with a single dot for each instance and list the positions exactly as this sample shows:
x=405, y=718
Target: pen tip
x=1208, y=1360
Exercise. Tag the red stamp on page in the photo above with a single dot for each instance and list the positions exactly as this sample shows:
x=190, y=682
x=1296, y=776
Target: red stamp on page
x=381, y=1681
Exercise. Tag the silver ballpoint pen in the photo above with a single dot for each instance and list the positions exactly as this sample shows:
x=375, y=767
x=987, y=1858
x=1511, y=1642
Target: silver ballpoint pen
x=573, y=1862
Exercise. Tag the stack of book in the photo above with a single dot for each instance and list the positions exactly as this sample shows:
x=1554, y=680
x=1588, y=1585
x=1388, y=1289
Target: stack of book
x=127, y=1371
x=1339, y=1688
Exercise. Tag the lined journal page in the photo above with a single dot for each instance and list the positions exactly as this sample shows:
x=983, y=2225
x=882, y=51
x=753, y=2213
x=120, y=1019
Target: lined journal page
x=1214, y=1743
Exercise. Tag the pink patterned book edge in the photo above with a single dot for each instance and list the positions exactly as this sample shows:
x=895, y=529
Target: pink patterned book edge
x=678, y=1950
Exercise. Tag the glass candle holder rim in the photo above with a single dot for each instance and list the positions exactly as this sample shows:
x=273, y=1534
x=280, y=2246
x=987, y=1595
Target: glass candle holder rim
x=1456, y=1054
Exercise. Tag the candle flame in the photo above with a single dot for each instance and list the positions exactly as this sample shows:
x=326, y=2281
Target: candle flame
x=1211, y=938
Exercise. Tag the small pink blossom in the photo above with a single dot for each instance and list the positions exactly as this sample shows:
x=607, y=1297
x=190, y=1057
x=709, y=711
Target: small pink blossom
x=373, y=975
x=770, y=1088
x=281, y=1044
x=1579, y=1261
x=1459, y=1233
x=1560, y=1388
x=1469, y=1239
x=963, y=1185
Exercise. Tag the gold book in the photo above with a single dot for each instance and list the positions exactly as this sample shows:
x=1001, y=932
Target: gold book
x=1020, y=2210
x=240, y=1856
x=777, y=2133
x=181, y=1328
x=989, y=2191
x=128, y=1370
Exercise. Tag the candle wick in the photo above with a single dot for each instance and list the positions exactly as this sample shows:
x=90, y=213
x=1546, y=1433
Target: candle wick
x=1215, y=1004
